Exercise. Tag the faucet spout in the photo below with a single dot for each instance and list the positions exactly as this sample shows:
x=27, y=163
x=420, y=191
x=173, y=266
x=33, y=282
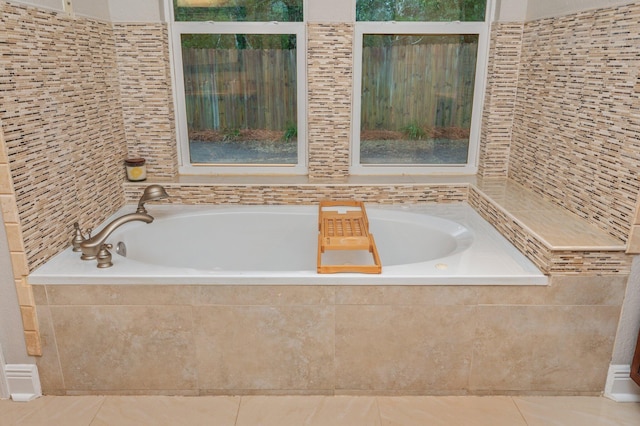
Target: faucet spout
x=90, y=247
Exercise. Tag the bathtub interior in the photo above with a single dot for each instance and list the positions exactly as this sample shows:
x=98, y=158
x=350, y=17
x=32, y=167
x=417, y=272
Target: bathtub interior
x=418, y=244
x=282, y=238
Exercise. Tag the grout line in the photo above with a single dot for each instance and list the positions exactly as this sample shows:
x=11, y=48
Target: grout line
x=104, y=399
x=519, y=411
x=378, y=409
x=238, y=411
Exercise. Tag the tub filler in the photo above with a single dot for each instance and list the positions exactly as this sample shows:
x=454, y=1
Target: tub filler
x=418, y=245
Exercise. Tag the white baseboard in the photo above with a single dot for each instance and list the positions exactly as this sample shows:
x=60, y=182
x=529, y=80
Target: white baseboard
x=23, y=381
x=619, y=386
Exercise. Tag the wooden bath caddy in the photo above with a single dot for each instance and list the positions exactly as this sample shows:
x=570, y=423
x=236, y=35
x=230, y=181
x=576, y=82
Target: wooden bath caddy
x=343, y=225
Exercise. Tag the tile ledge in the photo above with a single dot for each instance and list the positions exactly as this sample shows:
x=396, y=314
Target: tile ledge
x=607, y=243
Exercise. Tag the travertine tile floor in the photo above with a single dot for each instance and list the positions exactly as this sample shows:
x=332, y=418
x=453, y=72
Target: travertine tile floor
x=319, y=410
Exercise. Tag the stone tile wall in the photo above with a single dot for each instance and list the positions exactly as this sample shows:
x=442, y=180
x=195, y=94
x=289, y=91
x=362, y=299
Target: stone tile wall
x=62, y=119
x=423, y=340
x=500, y=98
x=330, y=80
x=576, y=132
x=142, y=53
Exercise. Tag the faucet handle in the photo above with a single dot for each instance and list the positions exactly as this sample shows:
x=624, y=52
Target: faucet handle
x=104, y=256
x=78, y=238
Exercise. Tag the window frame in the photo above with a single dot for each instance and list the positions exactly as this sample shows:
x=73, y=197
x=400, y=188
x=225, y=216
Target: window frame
x=480, y=28
x=176, y=29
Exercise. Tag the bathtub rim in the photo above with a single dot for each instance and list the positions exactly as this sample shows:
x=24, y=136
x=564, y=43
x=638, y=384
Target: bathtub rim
x=86, y=272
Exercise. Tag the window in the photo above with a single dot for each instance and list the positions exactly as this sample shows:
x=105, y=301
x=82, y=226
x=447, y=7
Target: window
x=240, y=86
x=419, y=77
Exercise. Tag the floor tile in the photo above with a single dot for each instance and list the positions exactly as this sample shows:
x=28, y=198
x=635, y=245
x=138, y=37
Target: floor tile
x=166, y=410
x=308, y=411
x=449, y=410
x=577, y=411
x=11, y=412
x=63, y=410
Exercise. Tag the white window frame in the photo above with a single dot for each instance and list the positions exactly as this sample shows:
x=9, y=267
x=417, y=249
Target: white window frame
x=176, y=29
x=482, y=29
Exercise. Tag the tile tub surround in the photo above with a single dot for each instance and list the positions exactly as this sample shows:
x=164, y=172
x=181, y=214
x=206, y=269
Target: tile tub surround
x=576, y=128
x=554, y=239
x=382, y=340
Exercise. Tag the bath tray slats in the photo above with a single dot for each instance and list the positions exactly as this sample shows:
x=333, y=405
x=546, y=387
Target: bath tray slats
x=343, y=225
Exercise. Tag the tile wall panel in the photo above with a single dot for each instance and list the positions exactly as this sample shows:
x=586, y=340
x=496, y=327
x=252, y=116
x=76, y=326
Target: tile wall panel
x=576, y=133
x=142, y=52
x=500, y=98
x=330, y=79
x=62, y=120
x=365, y=340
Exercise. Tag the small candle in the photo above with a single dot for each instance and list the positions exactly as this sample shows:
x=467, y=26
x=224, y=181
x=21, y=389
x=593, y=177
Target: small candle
x=136, y=169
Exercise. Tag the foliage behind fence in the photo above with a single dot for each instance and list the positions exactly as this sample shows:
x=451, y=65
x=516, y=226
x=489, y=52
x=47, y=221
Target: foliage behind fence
x=425, y=84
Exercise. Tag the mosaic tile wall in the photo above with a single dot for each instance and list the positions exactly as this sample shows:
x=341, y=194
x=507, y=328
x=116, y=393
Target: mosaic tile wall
x=330, y=79
x=142, y=53
x=500, y=98
x=62, y=119
x=576, y=134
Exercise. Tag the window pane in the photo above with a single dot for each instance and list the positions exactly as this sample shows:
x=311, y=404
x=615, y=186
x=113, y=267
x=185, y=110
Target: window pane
x=420, y=10
x=417, y=98
x=238, y=10
x=240, y=97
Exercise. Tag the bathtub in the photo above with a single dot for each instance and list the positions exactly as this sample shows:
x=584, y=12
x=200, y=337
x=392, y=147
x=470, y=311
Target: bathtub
x=418, y=245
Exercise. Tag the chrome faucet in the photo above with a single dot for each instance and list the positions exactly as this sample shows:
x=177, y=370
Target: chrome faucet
x=95, y=247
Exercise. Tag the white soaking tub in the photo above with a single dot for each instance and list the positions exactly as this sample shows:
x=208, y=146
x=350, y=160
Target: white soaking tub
x=418, y=245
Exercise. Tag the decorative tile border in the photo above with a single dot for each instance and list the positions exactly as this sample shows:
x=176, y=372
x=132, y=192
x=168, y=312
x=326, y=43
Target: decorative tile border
x=303, y=194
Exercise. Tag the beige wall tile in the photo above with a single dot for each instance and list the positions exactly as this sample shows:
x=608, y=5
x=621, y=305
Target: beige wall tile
x=543, y=348
x=407, y=295
x=403, y=348
x=125, y=347
x=562, y=290
x=9, y=209
x=49, y=368
x=33, y=342
x=26, y=294
x=265, y=295
x=120, y=294
x=5, y=180
x=19, y=263
x=265, y=347
x=14, y=236
x=29, y=319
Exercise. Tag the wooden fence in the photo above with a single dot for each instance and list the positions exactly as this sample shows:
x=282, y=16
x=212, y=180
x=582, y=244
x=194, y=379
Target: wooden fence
x=426, y=85
x=234, y=89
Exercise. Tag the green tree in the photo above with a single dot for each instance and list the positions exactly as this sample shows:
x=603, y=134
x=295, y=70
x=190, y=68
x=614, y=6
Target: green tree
x=420, y=10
